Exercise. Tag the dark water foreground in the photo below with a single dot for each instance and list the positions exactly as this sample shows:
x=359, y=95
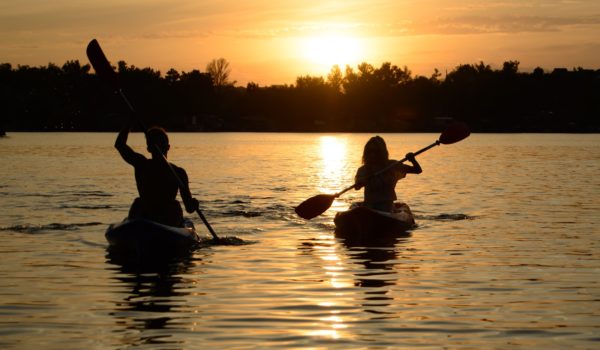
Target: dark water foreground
x=506, y=254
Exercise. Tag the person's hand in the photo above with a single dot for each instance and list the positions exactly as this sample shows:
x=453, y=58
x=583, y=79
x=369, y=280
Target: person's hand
x=193, y=206
x=410, y=156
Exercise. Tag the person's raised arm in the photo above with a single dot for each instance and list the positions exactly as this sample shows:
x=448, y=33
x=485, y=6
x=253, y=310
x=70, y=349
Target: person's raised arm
x=126, y=152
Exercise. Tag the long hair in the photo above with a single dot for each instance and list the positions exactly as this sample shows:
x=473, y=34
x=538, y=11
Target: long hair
x=375, y=152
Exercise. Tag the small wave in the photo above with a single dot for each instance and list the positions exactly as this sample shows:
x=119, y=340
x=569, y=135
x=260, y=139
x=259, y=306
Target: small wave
x=247, y=214
x=64, y=194
x=278, y=208
x=27, y=228
x=88, y=207
x=445, y=217
x=239, y=201
x=89, y=193
x=225, y=240
x=233, y=211
x=223, y=201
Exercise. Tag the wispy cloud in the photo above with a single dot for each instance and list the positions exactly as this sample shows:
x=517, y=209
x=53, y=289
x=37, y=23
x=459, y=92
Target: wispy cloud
x=502, y=24
x=439, y=26
x=261, y=19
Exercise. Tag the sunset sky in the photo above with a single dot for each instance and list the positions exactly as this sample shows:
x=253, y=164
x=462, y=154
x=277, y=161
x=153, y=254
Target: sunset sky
x=273, y=42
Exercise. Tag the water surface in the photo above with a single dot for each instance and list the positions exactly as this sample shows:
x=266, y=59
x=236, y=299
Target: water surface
x=506, y=254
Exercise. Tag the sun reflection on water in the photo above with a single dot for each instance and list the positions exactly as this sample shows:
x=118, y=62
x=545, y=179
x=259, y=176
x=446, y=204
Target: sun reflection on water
x=334, y=153
x=333, y=150
x=332, y=323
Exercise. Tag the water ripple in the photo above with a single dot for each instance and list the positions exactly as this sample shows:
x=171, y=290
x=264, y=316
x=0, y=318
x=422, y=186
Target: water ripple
x=29, y=228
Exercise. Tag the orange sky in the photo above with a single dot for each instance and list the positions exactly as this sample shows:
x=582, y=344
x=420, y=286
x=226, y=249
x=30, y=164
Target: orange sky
x=273, y=42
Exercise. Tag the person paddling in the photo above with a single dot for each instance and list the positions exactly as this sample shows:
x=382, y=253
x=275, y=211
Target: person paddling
x=380, y=183
x=156, y=185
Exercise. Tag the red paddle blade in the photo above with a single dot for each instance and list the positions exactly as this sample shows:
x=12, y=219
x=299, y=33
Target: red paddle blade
x=455, y=132
x=101, y=64
x=315, y=206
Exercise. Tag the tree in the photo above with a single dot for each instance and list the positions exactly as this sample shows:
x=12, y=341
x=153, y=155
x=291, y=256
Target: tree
x=219, y=71
x=335, y=78
x=172, y=76
x=309, y=82
x=510, y=67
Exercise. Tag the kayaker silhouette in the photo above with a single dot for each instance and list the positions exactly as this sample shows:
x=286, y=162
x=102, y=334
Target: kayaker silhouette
x=156, y=185
x=379, y=182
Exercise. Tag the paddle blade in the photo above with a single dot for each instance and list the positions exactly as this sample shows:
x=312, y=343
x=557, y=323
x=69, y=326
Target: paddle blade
x=455, y=132
x=101, y=64
x=315, y=206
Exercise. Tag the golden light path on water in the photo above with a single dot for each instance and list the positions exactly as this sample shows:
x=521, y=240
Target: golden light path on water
x=334, y=161
x=334, y=325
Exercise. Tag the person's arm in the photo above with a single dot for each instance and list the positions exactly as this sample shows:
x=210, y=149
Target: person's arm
x=415, y=168
x=191, y=204
x=126, y=152
x=359, y=179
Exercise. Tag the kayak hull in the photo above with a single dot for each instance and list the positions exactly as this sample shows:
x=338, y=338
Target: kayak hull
x=362, y=223
x=141, y=237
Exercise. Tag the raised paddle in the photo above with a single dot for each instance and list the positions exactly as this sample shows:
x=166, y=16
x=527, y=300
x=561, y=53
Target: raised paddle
x=105, y=71
x=318, y=204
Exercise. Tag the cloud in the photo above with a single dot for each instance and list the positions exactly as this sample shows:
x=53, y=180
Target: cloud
x=180, y=34
x=460, y=25
x=502, y=24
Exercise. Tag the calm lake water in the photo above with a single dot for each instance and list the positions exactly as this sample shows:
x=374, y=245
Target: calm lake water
x=506, y=254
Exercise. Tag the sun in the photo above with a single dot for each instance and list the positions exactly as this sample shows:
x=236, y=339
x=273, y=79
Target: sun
x=331, y=49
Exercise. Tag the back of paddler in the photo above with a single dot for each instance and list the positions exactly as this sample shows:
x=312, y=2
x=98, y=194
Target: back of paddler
x=156, y=184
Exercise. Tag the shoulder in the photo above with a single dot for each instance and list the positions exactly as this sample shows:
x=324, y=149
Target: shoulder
x=401, y=170
x=129, y=155
x=137, y=159
x=179, y=170
x=361, y=170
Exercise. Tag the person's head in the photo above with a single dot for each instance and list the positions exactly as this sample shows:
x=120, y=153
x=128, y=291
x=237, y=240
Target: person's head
x=375, y=151
x=157, y=137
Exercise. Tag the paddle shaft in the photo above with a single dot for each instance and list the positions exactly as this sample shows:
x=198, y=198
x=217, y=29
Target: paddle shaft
x=436, y=143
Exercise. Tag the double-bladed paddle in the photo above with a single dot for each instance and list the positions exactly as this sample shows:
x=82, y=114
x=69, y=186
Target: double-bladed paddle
x=105, y=71
x=318, y=204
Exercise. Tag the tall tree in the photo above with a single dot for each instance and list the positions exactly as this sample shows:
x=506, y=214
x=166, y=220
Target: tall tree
x=219, y=71
x=335, y=78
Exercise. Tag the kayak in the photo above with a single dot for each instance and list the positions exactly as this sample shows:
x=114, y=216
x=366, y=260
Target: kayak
x=143, y=237
x=360, y=222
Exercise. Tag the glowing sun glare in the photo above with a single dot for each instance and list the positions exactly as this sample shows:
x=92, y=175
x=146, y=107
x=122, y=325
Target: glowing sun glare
x=333, y=152
x=333, y=49
x=333, y=157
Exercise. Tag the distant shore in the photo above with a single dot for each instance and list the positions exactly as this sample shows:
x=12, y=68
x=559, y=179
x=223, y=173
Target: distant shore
x=365, y=99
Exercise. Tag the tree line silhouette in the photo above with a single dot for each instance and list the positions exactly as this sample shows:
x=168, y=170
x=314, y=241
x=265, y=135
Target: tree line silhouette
x=358, y=99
